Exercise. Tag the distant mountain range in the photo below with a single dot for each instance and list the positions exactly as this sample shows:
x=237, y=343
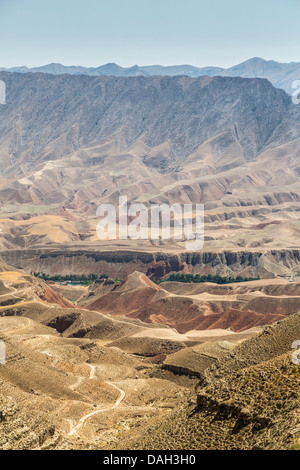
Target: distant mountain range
x=281, y=75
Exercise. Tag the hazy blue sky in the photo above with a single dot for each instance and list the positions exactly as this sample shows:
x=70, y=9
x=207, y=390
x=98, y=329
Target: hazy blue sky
x=143, y=32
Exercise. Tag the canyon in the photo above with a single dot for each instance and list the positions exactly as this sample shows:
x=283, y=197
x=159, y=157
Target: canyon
x=200, y=365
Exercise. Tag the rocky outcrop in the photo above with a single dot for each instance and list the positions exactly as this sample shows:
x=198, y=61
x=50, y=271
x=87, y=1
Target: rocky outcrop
x=181, y=370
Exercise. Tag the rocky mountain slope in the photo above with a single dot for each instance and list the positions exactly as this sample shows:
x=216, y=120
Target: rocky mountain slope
x=47, y=117
x=247, y=399
x=68, y=143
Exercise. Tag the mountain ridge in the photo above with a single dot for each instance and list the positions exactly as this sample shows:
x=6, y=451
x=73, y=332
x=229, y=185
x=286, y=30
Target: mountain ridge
x=281, y=75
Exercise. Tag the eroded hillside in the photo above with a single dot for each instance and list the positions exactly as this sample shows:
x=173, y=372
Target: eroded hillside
x=248, y=399
x=76, y=378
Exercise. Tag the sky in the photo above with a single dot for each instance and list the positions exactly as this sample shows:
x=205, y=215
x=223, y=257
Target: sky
x=146, y=32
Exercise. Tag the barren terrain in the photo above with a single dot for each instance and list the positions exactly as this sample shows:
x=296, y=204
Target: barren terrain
x=77, y=378
x=134, y=360
x=231, y=144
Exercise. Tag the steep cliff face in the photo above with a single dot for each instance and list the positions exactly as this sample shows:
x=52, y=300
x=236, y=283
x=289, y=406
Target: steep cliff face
x=156, y=265
x=265, y=264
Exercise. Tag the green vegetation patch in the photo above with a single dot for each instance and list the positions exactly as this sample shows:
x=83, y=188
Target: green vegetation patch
x=188, y=278
x=81, y=279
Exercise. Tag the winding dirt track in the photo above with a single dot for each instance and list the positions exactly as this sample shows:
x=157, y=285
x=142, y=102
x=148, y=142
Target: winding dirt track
x=74, y=429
